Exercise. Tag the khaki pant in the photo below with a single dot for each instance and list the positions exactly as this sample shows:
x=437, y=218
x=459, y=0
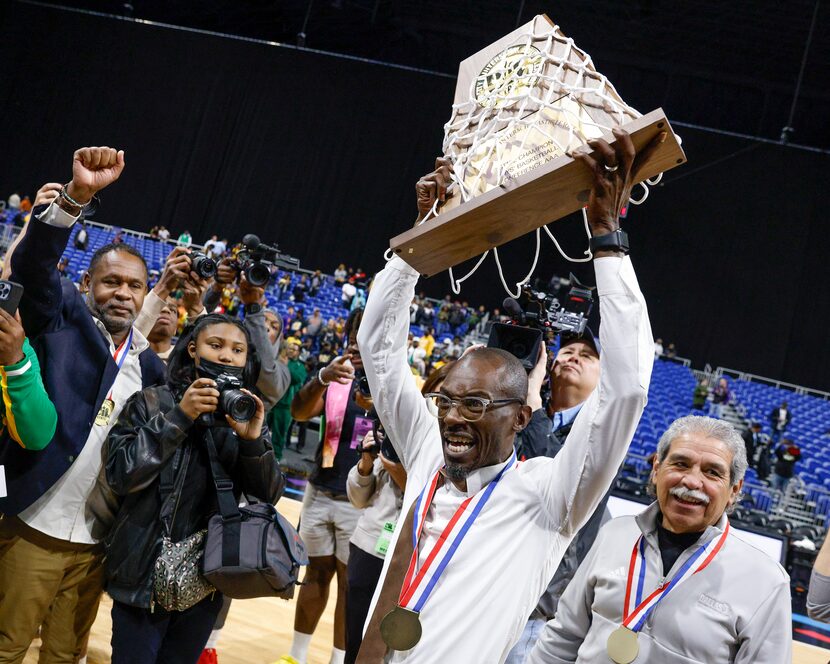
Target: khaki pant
x=46, y=583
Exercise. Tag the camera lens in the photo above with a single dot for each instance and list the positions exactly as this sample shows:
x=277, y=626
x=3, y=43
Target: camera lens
x=203, y=266
x=258, y=274
x=238, y=405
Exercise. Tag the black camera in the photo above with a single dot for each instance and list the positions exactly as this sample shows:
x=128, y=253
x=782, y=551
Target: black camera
x=202, y=265
x=382, y=443
x=232, y=400
x=257, y=258
x=362, y=383
x=534, y=314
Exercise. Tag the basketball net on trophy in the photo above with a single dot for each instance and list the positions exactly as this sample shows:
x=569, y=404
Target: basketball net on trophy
x=521, y=106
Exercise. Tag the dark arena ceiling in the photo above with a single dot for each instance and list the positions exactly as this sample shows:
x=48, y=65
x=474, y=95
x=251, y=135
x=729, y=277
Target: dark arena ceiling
x=732, y=66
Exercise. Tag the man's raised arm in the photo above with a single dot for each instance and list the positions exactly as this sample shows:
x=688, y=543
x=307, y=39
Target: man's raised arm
x=34, y=261
x=583, y=471
x=383, y=335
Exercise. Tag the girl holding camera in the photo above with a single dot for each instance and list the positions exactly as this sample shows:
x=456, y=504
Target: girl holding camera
x=158, y=462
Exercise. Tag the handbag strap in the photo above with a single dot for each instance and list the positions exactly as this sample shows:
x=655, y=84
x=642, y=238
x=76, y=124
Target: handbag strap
x=228, y=506
x=170, y=485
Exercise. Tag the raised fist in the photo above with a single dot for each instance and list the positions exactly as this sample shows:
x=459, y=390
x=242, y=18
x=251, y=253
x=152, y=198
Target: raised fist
x=92, y=170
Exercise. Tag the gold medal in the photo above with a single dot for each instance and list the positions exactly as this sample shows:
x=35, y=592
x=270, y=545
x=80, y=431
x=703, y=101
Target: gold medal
x=400, y=629
x=622, y=646
x=102, y=419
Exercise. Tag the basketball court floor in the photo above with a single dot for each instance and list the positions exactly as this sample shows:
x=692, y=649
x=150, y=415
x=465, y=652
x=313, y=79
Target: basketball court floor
x=258, y=631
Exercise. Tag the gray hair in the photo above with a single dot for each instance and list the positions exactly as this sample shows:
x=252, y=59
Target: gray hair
x=709, y=428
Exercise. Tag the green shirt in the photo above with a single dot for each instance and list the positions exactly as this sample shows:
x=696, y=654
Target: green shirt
x=27, y=413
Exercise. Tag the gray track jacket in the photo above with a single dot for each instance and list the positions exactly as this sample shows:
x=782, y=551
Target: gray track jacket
x=735, y=610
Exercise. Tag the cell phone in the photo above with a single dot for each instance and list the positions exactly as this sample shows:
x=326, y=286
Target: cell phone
x=10, y=294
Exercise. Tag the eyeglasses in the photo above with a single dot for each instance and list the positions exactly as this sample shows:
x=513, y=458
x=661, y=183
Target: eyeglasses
x=471, y=409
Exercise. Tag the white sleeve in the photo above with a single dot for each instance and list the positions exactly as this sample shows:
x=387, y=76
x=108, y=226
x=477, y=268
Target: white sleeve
x=582, y=472
x=361, y=488
x=382, y=340
x=150, y=311
x=54, y=215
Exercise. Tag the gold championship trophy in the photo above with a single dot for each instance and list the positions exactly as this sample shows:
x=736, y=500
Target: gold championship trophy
x=520, y=105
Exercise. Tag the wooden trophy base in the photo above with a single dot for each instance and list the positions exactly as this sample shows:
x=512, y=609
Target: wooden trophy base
x=522, y=204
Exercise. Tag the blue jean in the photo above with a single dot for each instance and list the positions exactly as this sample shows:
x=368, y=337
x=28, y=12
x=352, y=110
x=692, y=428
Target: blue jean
x=779, y=482
x=526, y=641
x=715, y=410
x=164, y=637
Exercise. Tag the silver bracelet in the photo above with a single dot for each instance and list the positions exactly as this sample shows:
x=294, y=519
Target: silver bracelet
x=320, y=378
x=65, y=196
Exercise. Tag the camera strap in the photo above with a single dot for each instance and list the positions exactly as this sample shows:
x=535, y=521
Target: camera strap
x=228, y=506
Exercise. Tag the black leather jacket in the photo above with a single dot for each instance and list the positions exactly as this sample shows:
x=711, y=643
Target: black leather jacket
x=139, y=446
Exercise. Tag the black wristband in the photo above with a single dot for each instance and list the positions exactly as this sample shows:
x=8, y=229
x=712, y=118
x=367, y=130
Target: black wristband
x=253, y=308
x=615, y=241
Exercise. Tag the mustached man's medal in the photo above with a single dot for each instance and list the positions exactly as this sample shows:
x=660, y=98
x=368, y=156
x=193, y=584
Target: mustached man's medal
x=104, y=415
x=622, y=645
x=400, y=629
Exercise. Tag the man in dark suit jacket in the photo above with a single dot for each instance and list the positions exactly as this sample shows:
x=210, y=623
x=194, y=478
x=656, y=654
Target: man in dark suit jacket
x=92, y=361
x=752, y=436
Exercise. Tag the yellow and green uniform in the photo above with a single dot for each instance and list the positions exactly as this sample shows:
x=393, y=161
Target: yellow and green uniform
x=28, y=415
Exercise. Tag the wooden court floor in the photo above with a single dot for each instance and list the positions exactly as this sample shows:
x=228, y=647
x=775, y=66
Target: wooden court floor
x=258, y=631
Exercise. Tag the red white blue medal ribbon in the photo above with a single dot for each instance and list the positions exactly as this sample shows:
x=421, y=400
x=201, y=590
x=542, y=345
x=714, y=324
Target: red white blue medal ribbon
x=635, y=609
x=122, y=350
x=119, y=356
x=415, y=591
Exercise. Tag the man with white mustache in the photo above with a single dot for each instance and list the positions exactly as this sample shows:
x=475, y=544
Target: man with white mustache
x=673, y=585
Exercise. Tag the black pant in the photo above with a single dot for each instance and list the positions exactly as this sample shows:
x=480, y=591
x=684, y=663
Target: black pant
x=362, y=576
x=162, y=637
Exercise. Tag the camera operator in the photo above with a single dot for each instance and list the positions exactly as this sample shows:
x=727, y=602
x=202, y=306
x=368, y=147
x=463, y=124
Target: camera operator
x=161, y=431
x=340, y=395
x=274, y=378
x=28, y=416
x=159, y=317
x=487, y=397
x=375, y=486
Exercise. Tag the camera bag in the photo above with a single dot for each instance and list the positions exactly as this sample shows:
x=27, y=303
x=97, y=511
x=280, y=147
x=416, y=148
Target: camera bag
x=251, y=551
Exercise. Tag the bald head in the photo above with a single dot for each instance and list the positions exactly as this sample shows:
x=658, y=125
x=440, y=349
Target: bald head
x=509, y=374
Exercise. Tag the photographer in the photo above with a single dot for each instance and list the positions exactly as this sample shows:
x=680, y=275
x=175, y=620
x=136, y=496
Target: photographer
x=159, y=317
x=274, y=378
x=162, y=428
x=29, y=417
x=340, y=395
x=511, y=550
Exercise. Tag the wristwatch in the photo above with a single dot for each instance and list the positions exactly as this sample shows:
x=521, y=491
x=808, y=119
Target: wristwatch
x=615, y=241
x=253, y=308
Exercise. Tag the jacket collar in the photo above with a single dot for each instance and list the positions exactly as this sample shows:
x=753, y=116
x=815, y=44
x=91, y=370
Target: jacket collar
x=139, y=344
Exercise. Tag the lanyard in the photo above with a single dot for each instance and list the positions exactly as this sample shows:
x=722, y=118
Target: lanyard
x=119, y=356
x=410, y=585
x=634, y=616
